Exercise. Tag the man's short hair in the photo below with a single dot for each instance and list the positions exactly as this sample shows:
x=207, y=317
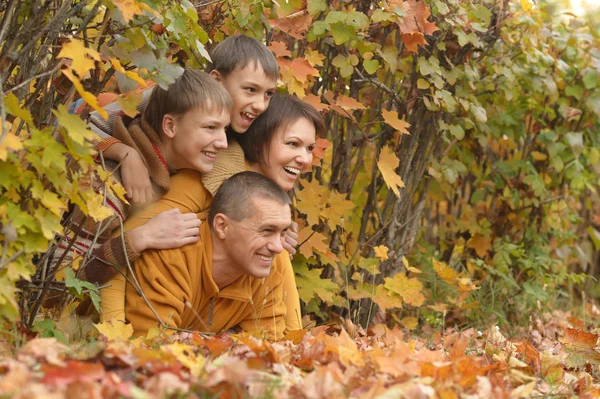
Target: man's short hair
x=235, y=197
x=193, y=90
x=239, y=51
x=283, y=110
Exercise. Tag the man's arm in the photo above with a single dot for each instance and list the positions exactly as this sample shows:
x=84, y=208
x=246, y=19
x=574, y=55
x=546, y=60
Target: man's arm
x=164, y=279
x=293, y=316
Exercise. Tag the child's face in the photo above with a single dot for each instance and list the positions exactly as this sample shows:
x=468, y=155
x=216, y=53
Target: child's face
x=290, y=153
x=251, y=91
x=195, y=138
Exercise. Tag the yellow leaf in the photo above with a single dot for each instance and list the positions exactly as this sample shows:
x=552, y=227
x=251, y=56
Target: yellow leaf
x=408, y=288
x=129, y=104
x=118, y=189
x=96, y=209
x=387, y=163
x=446, y=273
x=527, y=5
x=381, y=251
x=83, y=57
x=86, y=95
x=385, y=299
x=54, y=204
x=11, y=143
x=185, y=354
x=134, y=76
x=538, y=156
x=117, y=65
x=128, y=8
x=391, y=118
x=115, y=330
x=75, y=127
x=409, y=267
x=314, y=58
x=410, y=322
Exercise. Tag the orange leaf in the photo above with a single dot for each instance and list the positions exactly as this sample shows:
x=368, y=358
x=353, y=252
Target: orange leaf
x=302, y=69
x=392, y=119
x=348, y=103
x=319, y=151
x=580, y=338
x=531, y=355
x=446, y=273
x=387, y=163
x=314, y=241
x=310, y=202
x=315, y=101
x=128, y=8
x=279, y=49
x=295, y=25
x=415, y=17
x=74, y=371
x=413, y=40
x=480, y=244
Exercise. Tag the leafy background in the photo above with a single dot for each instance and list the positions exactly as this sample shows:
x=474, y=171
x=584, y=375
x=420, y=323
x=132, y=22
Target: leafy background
x=456, y=186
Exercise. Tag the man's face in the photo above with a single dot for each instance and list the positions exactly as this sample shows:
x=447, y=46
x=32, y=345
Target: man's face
x=252, y=243
x=195, y=139
x=251, y=91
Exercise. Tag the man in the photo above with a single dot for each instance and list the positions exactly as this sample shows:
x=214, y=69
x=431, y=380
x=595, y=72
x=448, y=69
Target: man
x=231, y=277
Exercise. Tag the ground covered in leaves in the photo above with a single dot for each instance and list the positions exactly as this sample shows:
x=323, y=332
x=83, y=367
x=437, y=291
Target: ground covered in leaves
x=555, y=358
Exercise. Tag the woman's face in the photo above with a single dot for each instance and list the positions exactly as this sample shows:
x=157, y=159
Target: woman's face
x=290, y=153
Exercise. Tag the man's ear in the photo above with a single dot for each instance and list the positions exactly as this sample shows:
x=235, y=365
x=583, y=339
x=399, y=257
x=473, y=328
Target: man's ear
x=220, y=225
x=215, y=75
x=168, y=125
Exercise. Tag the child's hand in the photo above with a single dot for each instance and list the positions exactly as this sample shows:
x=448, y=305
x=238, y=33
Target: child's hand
x=136, y=179
x=167, y=230
x=291, y=239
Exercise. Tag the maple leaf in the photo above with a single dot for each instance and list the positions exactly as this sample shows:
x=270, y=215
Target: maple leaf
x=82, y=57
x=415, y=17
x=408, y=288
x=86, y=95
x=337, y=208
x=314, y=58
x=319, y=150
x=11, y=143
x=186, y=356
x=294, y=86
x=480, y=244
x=387, y=164
x=413, y=40
x=386, y=300
x=302, y=69
x=313, y=241
x=96, y=209
x=381, y=251
x=129, y=8
x=348, y=103
x=73, y=371
x=310, y=201
x=295, y=25
x=310, y=283
x=115, y=330
x=130, y=103
x=279, y=49
x=392, y=119
x=446, y=273
x=581, y=339
x=315, y=101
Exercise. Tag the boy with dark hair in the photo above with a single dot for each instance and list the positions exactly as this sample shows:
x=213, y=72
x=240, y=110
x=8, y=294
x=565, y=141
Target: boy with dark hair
x=176, y=132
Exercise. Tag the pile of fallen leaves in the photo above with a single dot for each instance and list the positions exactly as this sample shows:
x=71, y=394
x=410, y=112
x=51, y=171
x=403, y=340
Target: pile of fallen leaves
x=556, y=359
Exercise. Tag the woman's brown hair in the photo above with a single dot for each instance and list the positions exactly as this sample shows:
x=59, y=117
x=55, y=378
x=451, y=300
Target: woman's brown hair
x=283, y=110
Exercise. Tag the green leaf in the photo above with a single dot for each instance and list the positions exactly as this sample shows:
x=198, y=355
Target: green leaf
x=457, y=131
x=574, y=91
x=358, y=20
x=346, y=68
x=47, y=329
x=316, y=6
x=380, y=15
x=371, y=66
x=589, y=79
x=76, y=128
x=342, y=33
x=335, y=16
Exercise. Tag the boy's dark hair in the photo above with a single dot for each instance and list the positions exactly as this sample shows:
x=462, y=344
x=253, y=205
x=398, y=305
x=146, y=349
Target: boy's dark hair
x=235, y=196
x=239, y=51
x=194, y=89
x=283, y=110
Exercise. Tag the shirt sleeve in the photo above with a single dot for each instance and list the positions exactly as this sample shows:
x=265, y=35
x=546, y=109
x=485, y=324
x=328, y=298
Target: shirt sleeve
x=293, y=316
x=165, y=281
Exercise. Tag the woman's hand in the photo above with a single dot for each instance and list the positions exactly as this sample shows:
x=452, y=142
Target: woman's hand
x=291, y=239
x=136, y=179
x=167, y=230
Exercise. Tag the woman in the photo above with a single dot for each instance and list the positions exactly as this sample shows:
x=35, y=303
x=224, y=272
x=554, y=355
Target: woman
x=278, y=145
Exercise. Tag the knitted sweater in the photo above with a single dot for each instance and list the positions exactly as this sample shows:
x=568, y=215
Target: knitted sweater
x=91, y=239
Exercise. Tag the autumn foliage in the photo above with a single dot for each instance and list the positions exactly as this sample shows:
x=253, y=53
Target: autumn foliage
x=457, y=183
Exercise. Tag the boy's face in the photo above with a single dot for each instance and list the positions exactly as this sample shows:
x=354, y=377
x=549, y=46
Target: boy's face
x=251, y=91
x=195, y=138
